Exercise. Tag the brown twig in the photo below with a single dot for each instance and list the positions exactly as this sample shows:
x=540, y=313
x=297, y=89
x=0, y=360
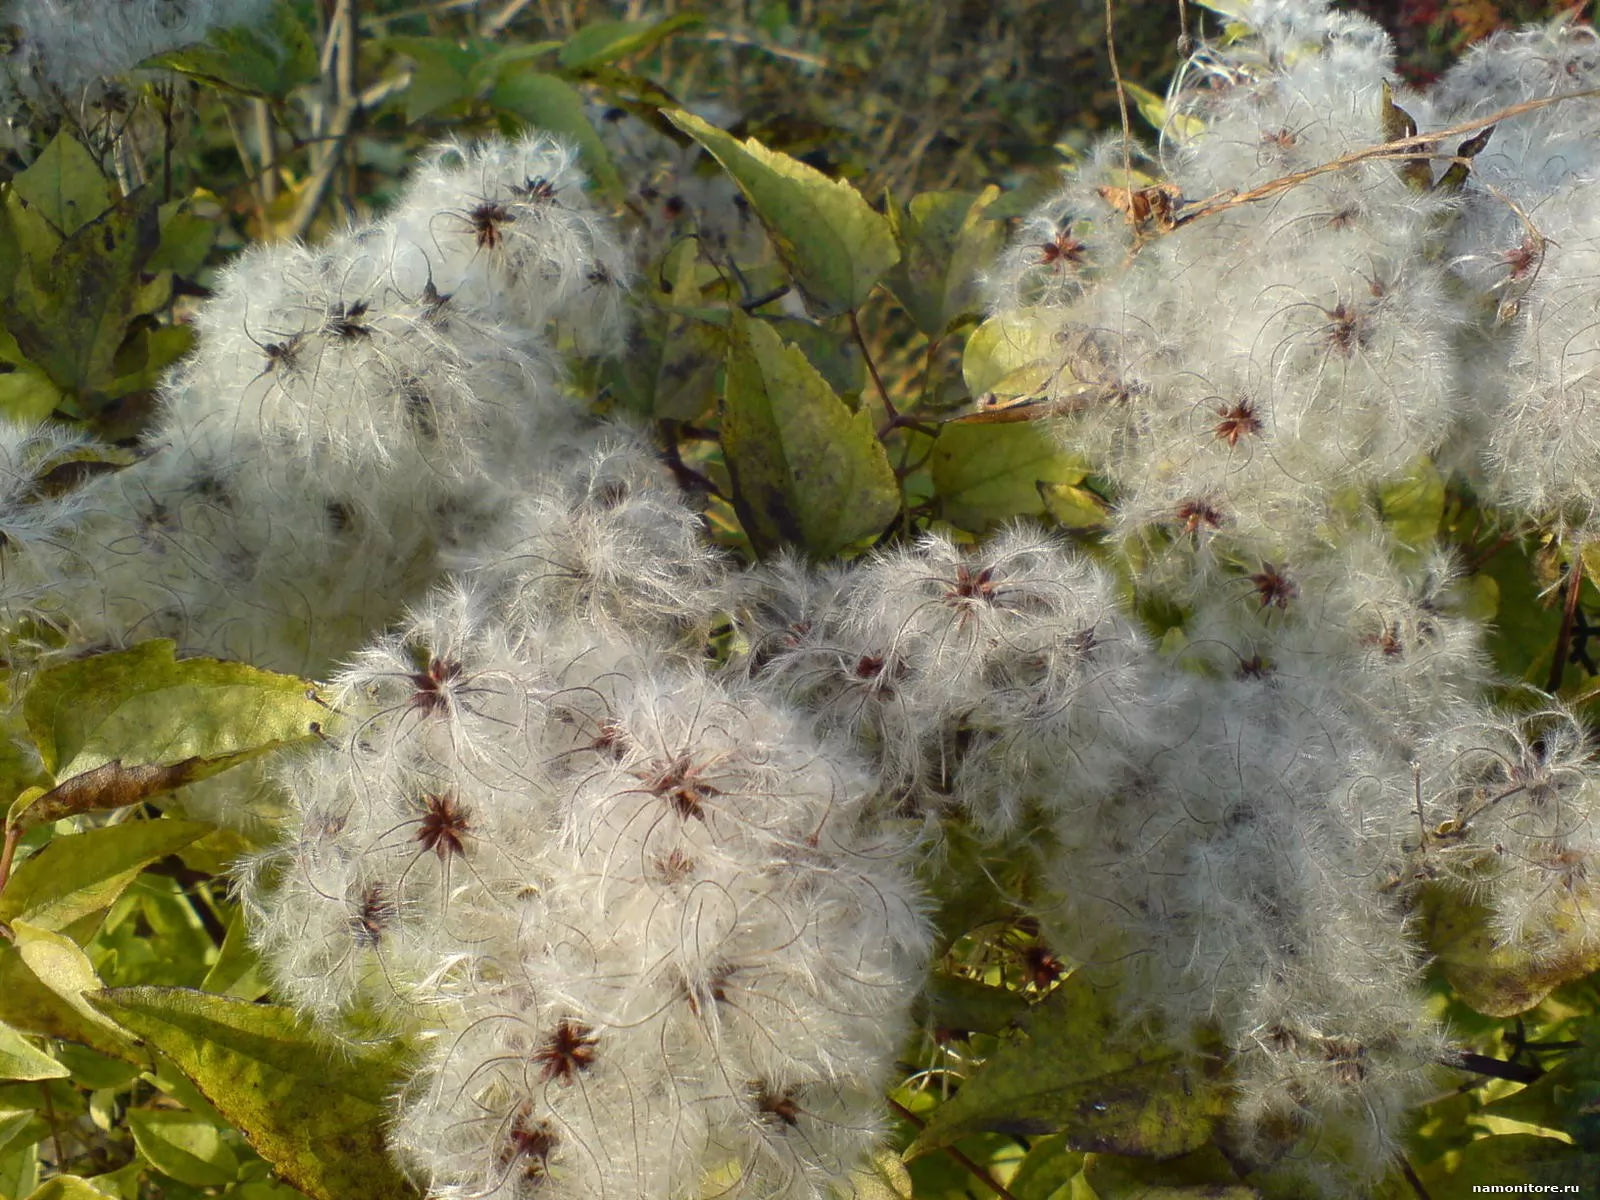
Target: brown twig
x=1122, y=95
x=978, y=1172
x=1413, y=1178
x=8, y=852
x=1399, y=148
x=872, y=369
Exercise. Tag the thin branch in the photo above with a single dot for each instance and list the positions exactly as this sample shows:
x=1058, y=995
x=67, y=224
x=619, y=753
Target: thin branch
x=1399, y=148
x=8, y=852
x=1413, y=1178
x=872, y=369
x=977, y=1171
x=1494, y=1068
x=496, y=24
x=1569, y=614
x=266, y=135
x=1122, y=95
x=55, y=1127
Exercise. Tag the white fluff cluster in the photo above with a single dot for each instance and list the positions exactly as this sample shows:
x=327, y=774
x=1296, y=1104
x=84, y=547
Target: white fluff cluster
x=357, y=414
x=67, y=46
x=648, y=924
x=1313, y=748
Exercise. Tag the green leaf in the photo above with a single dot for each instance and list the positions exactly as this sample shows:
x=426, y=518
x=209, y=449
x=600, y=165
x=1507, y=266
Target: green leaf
x=65, y=185
x=1413, y=505
x=550, y=103
x=316, y=1114
x=946, y=239
x=58, y=963
x=73, y=876
x=983, y=474
x=1204, y=1175
x=20, y=1059
x=186, y=240
x=834, y=245
x=19, y=1171
x=1078, y=1073
x=237, y=971
x=962, y=1005
x=184, y=1146
x=440, y=75
x=28, y=1005
x=806, y=470
x=72, y=299
x=117, y=728
x=266, y=62
x=1047, y=1171
x=1011, y=354
x=1565, y=1098
x=603, y=42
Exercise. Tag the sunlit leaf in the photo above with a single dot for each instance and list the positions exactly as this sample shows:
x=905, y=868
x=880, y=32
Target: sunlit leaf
x=65, y=969
x=834, y=245
x=1509, y=1160
x=70, y=877
x=184, y=1146
x=946, y=239
x=806, y=471
x=1010, y=355
x=314, y=1112
x=1499, y=980
x=70, y=1187
x=984, y=474
x=28, y=1005
x=65, y=185
x=20, y=1059
x=119, y=727
x=1413, y=505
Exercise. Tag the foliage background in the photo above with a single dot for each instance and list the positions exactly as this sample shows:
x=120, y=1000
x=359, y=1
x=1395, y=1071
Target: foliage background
x=261, y=140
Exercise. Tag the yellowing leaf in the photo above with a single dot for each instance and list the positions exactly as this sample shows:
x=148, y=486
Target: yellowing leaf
x=315, y=1113
x=1077, y=1074
x=27, y=1005
x=883, y=1177
x=65, y=185
x=1499, y=981
x=20, y=1059
x=81, y=873
x=1413, y=505
x=806, y=470
x=983, y=474
x=69, y=1187
x=834, y=245
x=62, y=967
x=946, y=239
x=1011, y=354
x=119, y=727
